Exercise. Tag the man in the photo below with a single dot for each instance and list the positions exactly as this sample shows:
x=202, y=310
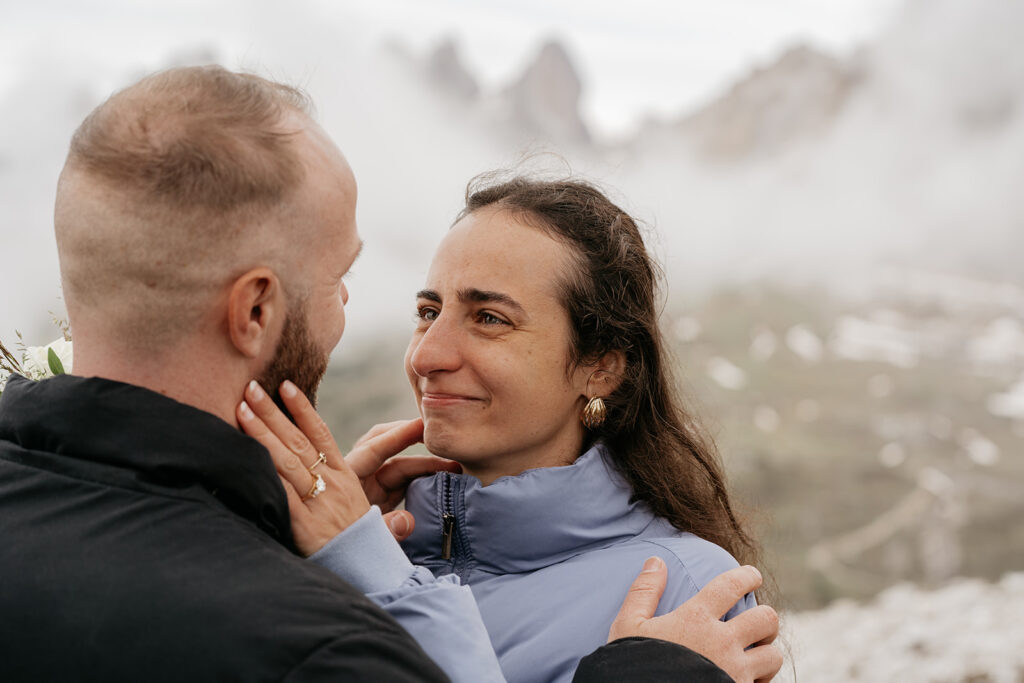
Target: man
x=204, y=223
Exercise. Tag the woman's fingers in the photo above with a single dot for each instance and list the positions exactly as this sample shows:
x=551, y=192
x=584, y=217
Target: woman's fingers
x=318, y=513
x=401, y=523
x=312, y=426
x=396, y=473
x=377, y=430
x=286, y=462
x=290, y=435
x=372, y=453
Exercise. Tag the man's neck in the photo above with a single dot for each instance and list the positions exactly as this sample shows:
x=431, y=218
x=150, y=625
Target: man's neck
x=188, y=378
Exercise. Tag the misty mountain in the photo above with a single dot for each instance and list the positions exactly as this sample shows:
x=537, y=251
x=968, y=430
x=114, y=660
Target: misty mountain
x=776, y=106
x=540, y=105
x=906, y=152
x=810, y=166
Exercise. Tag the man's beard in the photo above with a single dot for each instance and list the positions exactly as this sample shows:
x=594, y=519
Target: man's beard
x=297, y=359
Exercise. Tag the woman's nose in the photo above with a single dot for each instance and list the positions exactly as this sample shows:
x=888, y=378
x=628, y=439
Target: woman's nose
x=437, y=349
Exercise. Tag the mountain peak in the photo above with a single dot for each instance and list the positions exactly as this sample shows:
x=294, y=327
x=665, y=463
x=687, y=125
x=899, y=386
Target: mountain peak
x=796, y=95
x=545, y=99
x=445, y=69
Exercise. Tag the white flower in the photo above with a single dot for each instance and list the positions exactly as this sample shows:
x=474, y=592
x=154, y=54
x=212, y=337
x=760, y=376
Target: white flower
x=36, y=363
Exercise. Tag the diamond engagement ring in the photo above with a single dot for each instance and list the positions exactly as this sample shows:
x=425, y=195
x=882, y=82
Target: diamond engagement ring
x=320, y=460
x=319, y=486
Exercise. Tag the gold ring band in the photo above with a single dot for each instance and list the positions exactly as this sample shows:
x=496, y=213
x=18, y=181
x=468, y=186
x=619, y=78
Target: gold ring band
x=321, y=459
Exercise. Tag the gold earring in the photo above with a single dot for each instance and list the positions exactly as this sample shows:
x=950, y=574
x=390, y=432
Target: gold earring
x=594, y=413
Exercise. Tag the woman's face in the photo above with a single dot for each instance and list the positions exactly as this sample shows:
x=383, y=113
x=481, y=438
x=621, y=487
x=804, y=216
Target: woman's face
x=488, y=361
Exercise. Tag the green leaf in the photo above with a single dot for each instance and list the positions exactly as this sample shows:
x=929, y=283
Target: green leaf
x=56, y=367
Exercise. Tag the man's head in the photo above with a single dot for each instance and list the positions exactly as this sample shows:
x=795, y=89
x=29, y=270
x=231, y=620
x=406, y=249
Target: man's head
x=202, y=212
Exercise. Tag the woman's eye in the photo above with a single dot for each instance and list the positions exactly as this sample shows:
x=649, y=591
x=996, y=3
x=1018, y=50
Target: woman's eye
x=490, y=319
x=426, y=314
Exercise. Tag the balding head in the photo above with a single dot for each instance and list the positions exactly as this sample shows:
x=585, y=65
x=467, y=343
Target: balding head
x=173, y=187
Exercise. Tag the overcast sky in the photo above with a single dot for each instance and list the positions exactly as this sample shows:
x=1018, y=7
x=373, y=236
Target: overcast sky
x=643, y=56
x=59, y=59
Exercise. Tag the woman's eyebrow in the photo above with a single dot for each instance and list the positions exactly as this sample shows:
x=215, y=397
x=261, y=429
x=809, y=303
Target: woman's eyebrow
x=476, y=296
x=484, y=296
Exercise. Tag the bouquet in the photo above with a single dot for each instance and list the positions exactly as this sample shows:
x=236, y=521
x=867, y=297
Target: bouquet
x=37, y=362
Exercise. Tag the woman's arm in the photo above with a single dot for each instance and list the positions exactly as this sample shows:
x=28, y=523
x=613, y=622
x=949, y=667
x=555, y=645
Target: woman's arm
x=338, y=527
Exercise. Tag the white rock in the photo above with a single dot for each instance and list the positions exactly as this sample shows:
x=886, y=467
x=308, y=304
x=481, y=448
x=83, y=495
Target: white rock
x=726, y=374
x=805, y=343
x=980, y=449
x=1008, y=404
x=968, y=630
x=892, y=454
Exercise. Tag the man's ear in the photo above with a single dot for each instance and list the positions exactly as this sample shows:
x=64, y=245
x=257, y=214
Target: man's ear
x=603, y=377
x=256, y=311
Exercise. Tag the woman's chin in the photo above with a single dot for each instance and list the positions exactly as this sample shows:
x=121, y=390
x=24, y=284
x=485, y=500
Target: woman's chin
x=447, y=445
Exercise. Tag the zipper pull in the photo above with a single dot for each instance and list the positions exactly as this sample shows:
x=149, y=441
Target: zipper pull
x=448, y=529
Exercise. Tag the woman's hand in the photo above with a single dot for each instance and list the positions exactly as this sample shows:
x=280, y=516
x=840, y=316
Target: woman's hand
x=370, y=475
x=385, y=476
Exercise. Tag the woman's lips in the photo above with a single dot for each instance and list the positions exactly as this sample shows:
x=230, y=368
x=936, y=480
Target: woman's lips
x=440, y=400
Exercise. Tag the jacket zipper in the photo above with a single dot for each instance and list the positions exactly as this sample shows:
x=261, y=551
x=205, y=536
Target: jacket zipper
x=447, y=520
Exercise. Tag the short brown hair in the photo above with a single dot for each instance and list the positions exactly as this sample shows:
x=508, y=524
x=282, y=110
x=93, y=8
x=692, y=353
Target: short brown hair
x=194, y=137
x=166, y=185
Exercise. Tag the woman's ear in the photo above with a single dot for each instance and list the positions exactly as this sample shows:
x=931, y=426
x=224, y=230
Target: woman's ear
x=603, y=377
x=256, y=312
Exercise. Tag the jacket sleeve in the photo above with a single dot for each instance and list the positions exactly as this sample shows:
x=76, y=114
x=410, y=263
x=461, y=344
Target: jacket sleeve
x=649, y=660
x=439, y=613
x=367, y=657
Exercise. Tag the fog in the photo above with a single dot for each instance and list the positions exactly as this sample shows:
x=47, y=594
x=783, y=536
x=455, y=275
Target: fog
x=901, y=149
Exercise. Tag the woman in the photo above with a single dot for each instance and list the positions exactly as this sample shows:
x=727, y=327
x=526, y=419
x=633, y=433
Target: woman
x=539, y=367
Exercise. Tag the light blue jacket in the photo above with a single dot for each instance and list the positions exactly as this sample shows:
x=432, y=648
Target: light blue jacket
x=550, y=554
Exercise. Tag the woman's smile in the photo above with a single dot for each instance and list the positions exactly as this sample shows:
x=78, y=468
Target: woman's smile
x=434, y=400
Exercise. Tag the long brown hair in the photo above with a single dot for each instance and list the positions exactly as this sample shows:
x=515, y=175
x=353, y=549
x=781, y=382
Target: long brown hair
x=611, y=297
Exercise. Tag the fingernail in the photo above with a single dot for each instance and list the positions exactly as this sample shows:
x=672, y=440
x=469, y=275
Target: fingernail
x=246, y=411
x=399, y=525
x=256, y=391
x=289, y=389
x=652, y=564
x=754, y=569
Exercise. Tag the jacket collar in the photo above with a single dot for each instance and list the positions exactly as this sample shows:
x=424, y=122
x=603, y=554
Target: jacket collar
x=164, y=442
x=528, y=521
